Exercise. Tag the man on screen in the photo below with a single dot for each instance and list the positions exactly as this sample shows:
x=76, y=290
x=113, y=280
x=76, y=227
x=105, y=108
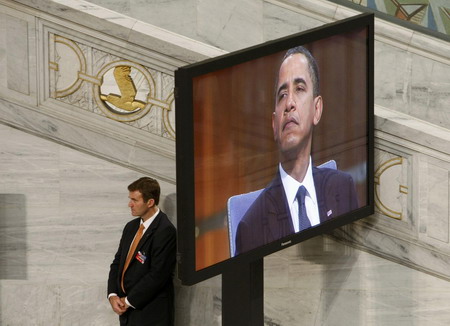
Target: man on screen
x=300, y=196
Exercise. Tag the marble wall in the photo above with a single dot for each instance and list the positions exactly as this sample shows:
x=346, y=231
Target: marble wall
x=64, y=212
x=412, y=179
x=61, y=216
x=58, y=86
x=411, y=69
x=60, y=144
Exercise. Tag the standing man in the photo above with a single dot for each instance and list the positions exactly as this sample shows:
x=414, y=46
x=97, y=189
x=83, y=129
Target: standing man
x=300, y=196
x=140, y=283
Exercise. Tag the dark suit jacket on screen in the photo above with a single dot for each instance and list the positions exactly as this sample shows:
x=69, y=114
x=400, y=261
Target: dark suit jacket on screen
x=148, y=280
x=269, y=218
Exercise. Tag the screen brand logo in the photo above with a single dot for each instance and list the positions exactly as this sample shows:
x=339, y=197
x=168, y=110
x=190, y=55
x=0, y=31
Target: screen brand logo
x=286, y=243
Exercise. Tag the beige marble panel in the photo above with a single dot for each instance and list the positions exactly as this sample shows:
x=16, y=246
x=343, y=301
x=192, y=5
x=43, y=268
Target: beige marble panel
x=412, y=84
x=280, y=22
x=15, y=67
x=219, y=23
x=17, y=55
x=437, y=202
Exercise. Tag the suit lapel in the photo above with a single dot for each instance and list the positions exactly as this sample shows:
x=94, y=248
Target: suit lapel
x=127, y=240
x=279, y=221
x=320, y=193
x=147, y=235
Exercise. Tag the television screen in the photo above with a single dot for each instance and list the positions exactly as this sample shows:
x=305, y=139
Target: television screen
x=274, y=145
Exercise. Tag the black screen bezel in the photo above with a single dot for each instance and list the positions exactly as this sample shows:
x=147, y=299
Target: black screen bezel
x=185, y=147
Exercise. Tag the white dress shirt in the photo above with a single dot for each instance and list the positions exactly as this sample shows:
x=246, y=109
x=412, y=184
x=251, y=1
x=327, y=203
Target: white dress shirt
x=291, y=186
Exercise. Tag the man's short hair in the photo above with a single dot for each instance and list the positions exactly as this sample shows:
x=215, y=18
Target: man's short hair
x=148, y=187
x=312, y=65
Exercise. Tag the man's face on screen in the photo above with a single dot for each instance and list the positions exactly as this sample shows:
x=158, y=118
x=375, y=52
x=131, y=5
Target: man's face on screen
x=296, y=109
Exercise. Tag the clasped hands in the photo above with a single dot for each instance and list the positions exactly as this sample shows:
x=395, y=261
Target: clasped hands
x=118, y=304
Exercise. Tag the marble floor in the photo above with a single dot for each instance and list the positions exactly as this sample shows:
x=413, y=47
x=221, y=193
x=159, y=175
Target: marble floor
x=61, y=214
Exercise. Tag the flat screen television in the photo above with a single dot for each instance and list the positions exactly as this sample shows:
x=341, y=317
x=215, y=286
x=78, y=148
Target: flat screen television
x=234, y=115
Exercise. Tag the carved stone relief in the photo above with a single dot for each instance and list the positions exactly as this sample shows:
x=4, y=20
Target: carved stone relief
x=107, y=85
x=391, y=189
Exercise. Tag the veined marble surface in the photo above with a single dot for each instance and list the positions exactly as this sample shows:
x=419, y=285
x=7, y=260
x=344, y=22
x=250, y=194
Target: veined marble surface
x=62, y=212
x=321, y=282
x=411, y=69
x=61, y=219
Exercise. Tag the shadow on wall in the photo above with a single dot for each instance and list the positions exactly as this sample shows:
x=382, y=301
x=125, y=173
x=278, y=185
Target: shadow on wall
x=340, y=288
x=169, y=206
x=13, y=244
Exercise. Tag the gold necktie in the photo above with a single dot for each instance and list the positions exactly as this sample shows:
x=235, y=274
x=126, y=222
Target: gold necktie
x=133, y=247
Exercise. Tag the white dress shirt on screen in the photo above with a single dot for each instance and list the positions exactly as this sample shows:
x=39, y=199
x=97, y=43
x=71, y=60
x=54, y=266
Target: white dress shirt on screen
x=291, y=186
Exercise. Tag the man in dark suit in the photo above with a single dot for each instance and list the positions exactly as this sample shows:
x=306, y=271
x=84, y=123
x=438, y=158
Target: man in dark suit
x=140, y=283
x=300, y=196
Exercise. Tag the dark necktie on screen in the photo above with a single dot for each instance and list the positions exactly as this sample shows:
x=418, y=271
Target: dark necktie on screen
x=302, y=216
x=136, y=240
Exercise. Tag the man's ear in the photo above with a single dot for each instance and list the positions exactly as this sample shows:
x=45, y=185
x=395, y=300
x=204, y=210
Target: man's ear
x=150, y=202
x=318, y=107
